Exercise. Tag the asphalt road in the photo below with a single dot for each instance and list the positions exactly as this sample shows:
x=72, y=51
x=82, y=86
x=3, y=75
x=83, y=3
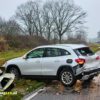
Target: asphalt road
x=88, y=91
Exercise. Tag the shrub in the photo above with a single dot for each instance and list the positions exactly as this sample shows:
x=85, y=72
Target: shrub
x=25, y=41
x=3, y=44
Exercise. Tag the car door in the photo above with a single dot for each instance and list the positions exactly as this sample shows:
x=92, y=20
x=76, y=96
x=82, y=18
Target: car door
x=52, y=60
x=32, y=64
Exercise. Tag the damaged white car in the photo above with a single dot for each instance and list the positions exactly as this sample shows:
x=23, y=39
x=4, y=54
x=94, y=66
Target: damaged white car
x=65, y=62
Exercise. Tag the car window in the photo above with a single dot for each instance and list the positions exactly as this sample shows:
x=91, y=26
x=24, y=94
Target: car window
x=64, y=52
x=38, y=53
x=51, y=52
x=84, y=51
x=54, y=52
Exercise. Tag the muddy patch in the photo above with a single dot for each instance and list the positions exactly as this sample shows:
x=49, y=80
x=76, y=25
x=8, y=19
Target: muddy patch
x=90, y=88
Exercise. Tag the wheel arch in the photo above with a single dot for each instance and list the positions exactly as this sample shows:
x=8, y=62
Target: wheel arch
x=63, y=67
x=13, y=65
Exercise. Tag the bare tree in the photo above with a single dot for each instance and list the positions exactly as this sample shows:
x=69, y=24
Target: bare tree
x=29, y=14
x=9, y=27
x=80, y=35
x=25, y=14
x=2, y=26
x=13, y=27
x=38, y=19
x=66, y=16
x=53, y=18
x=48, y=21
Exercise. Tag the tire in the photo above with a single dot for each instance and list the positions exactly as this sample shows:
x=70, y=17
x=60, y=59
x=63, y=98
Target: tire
x=15, y=71
x=67, y=78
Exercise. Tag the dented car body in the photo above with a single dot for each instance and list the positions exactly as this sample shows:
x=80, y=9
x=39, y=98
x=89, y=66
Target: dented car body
x=66, y=62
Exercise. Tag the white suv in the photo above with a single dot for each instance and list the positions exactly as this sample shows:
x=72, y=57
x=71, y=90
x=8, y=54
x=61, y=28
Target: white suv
x=66, y=62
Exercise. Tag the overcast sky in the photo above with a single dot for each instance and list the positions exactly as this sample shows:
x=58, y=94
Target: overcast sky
x=92, y=7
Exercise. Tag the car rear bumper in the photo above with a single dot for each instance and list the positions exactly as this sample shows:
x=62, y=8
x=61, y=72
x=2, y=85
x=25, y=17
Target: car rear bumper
x=87, y=74
x=92, y=71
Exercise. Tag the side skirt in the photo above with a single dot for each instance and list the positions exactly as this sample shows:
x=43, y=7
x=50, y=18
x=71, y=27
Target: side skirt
x=39, y=77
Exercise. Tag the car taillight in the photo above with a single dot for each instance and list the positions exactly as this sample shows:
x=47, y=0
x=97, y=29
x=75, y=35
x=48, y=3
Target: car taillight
x=97, y=58
x=80, y=61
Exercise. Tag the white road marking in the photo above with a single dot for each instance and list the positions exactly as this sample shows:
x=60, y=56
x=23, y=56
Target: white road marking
x=34, y=94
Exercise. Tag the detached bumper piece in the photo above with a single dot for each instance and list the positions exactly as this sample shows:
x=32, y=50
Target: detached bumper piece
x=6, y=79
x=87, y=74
x=92, y=71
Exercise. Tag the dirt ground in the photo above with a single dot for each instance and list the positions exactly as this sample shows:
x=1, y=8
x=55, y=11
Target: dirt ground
x=80, y=91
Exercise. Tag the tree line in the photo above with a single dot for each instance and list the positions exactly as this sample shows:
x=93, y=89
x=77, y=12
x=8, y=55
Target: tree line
x=52, y=19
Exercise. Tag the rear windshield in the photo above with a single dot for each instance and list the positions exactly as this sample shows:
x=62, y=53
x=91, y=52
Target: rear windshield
x=84, y=51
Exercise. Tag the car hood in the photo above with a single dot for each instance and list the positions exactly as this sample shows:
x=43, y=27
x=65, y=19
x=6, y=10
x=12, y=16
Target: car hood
x=14, y=60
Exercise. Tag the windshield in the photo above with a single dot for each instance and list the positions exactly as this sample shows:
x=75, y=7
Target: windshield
x=84, y=51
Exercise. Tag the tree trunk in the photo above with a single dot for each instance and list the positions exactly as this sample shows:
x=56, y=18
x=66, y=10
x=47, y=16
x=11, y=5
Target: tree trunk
x=49, y=35
x=60, y=39
x=30, y=33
